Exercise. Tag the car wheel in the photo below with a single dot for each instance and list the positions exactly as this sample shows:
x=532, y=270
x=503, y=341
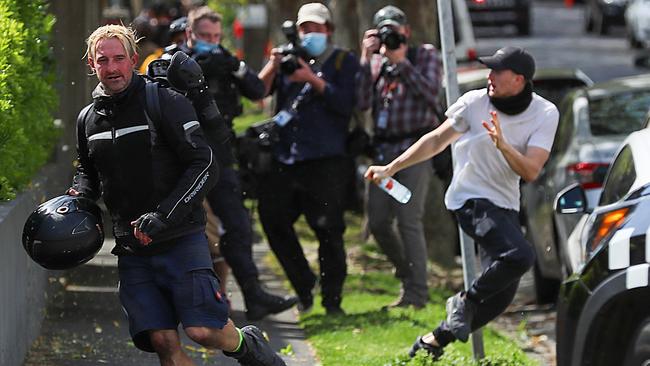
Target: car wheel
x=634, y=43
x=620, y=334
x=546, y=289
x=601, y=26
x=638, y=353
x=589, y=20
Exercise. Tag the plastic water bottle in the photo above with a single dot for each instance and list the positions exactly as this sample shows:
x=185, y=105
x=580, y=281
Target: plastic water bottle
x=395, y=189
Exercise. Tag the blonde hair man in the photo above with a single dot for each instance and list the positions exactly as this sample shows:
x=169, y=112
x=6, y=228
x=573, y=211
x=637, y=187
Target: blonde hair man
x=153, y=177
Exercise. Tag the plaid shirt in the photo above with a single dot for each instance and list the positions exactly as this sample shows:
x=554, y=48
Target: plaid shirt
x=408, y=93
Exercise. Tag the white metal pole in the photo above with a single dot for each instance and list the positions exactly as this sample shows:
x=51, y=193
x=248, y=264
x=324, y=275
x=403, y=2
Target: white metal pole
x=447, y=43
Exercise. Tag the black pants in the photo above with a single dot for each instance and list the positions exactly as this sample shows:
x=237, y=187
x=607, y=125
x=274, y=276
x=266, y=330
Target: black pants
x=509, y=255
x=226, y=202
x=316, y=189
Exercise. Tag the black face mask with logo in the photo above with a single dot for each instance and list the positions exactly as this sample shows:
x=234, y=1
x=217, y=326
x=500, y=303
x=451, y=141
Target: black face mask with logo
x=515, y=104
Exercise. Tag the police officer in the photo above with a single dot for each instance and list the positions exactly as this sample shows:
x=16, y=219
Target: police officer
x=176, y=36
x=228, y=79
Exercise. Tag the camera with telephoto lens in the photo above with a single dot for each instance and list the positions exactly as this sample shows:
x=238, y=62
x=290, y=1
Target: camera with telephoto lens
x=390, y=37
x=292, y=50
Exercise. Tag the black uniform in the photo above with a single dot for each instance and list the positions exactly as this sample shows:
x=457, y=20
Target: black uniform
x=225, y=198
x=138, y=168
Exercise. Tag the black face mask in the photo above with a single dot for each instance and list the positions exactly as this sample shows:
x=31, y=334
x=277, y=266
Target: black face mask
x=516, y=103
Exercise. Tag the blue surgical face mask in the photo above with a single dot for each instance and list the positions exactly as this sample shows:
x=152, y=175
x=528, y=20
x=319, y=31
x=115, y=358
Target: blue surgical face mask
x=203, y=46
x=314, y=43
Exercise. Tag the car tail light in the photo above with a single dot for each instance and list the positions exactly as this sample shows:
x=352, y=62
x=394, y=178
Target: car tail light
x=471, y=54
x=605, y=224
x=589, y=175
x=479, y=1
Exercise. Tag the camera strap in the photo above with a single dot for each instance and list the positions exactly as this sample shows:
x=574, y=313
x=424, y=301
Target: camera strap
x=285, y=115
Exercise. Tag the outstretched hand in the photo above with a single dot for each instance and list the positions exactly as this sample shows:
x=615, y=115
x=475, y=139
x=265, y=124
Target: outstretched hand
x=494, y=130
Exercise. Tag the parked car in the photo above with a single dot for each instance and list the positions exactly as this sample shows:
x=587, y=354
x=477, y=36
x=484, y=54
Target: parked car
x=637, y=22
x=601, y=14
x=603, y=312
x=465, y=47
x=551, y=83
x=593, y=123
x=501, y=12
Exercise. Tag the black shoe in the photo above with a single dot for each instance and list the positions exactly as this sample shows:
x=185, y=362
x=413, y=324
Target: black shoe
x=460, y=312
x=334, y=310
x=260, y=303
x=306, y=303
x=402, y=302
x=434, y=351
x=255, y=350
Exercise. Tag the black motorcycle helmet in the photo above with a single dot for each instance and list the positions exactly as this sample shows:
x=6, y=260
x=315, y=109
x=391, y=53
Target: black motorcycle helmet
x=64, y=232
x=178, y=26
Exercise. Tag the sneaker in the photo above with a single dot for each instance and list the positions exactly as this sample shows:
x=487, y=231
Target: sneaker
x=460, y=313
x=306, y=303
x=255, y=350
x=434, y=351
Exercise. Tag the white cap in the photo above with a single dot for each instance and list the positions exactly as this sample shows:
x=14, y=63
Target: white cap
x=313, y=12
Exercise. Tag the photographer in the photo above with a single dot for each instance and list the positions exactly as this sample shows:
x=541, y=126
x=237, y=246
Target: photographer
x=314, y=106
x=227, y=79
x=400, y=83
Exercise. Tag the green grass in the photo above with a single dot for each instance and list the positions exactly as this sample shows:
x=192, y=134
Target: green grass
x=370, y=336
x=253, y=113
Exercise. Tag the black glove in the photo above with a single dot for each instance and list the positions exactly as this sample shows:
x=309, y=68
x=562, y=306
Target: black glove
x=219, y=63
x=151, y=223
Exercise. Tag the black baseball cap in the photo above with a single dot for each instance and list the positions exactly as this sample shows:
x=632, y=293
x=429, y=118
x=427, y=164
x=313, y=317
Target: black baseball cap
x=511, y=58
x=389, y=15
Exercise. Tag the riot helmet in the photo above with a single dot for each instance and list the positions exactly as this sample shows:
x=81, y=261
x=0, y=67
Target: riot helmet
x=64, y=232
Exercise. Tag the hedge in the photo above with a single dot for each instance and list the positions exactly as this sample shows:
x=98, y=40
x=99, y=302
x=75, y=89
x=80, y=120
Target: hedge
x=27, y=96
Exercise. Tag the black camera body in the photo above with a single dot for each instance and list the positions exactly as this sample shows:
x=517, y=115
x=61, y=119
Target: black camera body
x=391, y=37
x=292, y=50
x=219, y=63
x=157, y=70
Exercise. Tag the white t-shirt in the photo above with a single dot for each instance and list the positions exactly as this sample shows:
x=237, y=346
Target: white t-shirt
x=480, y=170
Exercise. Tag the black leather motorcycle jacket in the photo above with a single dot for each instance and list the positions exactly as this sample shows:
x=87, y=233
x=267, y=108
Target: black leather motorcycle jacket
x=138, y=165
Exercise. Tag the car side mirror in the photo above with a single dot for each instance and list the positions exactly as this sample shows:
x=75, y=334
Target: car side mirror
x=571, y=200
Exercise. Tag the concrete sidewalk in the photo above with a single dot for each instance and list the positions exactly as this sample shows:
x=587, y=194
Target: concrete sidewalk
x=85, y=325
